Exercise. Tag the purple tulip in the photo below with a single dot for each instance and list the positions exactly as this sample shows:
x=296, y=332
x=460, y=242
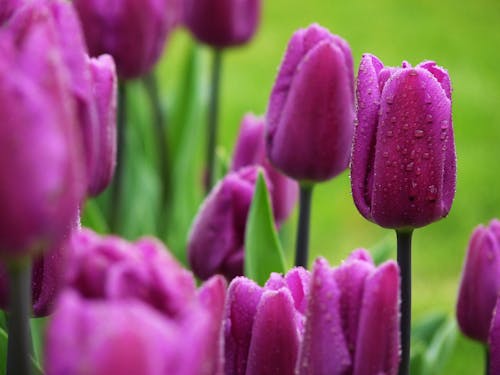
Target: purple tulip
x=263, y=327
x=352, y=319
x=104, y=82
x=403, y=161
x=216, y=240
x=480, y=285
x=41, y=168
x=126, y=336
x=494, y=340
x=250, y=150
x=311, y=109
x=47, y=278
x=134, y=32
x=222, y=23
x=112, y=268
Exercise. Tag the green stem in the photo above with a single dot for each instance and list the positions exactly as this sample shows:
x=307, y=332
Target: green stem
x=117, y=191
x=302, y=244
x=213, y=111
x=404, y=262
x=160, y=126
x=19, y=340
x=486, y=360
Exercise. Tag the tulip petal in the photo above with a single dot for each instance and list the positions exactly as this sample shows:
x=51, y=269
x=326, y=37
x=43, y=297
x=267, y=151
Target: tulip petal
x=377, y=344
x=275, y=340
x=243, y=298
x=480, y=273
x=363, y=152
x=494, y=340
x=324, y=349
x=412, y=137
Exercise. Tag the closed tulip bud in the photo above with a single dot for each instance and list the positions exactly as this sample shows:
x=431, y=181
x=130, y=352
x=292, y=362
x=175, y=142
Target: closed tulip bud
x=263, y=325
x=480, y=285
x=216, y=240
x=352, y=319
x=104, y=82
x=222, y=23
x=41, y=168
x=250, y=150
x=311, y=109
x=494, y=340
x=112, y=268
x=403, y=161
x=134, y=32
x=126, y=336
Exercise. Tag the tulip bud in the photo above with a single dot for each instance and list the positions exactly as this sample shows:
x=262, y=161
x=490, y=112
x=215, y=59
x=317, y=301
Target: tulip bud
x=41, y=170
x=311, y=108
x=126, y=336
x=250, y=150
x=403, y=161
x=105, y=96
x=480, y=283
x=216, y=240
x=263, y=326
x=352, y=319
x=132, y=31
x=112, y=268
x=222, y=23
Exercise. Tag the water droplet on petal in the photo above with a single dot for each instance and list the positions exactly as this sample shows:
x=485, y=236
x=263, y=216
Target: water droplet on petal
x=389, y=133
x=419, y=133
x=409, y=166
x=428, y=118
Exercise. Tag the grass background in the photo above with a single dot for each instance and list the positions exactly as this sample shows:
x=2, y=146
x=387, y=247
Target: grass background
x=464, y=37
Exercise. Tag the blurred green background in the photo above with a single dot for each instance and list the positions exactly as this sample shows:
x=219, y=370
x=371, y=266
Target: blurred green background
x=464, y=37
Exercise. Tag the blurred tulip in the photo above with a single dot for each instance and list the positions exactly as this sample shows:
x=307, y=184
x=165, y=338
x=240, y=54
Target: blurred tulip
x=104, y=82
x=403, y=161
x=126, y=336
x=216, y=240
x=134, y=32
x=41, y=166
x=250, y=150
x=47, y=279
x=222, y=23
x=480, y=285
x=7, y=7
x=112, y=268
x=352, y=319
x=263, y=327
x=311, y=108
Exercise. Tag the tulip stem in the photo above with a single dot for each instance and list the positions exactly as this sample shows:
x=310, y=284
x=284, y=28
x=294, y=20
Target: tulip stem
x=404, y=262
x=486, y=360
x=302, y=245
x=213, y=110
x=116, y=194
x=160, y=123
x=19, y=344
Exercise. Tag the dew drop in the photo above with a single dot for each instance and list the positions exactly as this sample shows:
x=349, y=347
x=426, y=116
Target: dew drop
x=389, y=133
x=443, y=136
x=413, y=154
x=393, y=119
x=444, y=125
x=426, y=155
x=406, y=126
x=385, y=154
x=428, y=118
x=409, y=166
x=419, y=133
x=413, y=72
x=418, y=171
x=389, y=100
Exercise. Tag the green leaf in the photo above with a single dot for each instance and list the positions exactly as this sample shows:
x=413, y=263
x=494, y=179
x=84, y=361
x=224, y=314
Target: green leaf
x=425, y=329
x=37, y=370
x=263, y=252
x=440, y=348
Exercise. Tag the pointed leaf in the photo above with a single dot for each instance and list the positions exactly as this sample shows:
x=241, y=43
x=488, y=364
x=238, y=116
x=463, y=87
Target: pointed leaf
x=440, y=348
x=263, y=252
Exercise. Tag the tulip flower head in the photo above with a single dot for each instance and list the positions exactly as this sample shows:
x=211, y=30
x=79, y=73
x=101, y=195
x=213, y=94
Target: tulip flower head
x=403, y=168
x=216, y=240
x=41, y=166
x=480, y=285
x=134, y=32
x=311, y=108
x=250, y=150
x=222, y=23
x=263, y=326
x=352, y=324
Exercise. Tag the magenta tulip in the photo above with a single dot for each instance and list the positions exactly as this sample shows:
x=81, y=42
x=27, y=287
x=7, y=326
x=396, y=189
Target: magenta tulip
x=403, y=167
x=311, y=109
